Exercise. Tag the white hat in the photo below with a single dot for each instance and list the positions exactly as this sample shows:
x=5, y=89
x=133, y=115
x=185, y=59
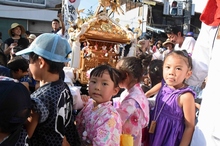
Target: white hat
x=32, y=36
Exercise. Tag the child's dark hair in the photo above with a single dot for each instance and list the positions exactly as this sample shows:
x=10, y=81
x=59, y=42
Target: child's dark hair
x=18, y=62
x=173, y=30
x=28, y=32
x=54, y=67
x=184, y=54
x=114, y=74
x=135, y=66
x=156, y=71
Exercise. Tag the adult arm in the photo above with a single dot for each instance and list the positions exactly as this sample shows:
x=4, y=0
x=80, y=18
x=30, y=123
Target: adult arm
x=62, y=23
x=8, y=48
x=201, y=55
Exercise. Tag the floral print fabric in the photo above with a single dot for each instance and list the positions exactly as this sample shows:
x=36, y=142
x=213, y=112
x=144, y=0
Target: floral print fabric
x=99, y=126
x=134, y=112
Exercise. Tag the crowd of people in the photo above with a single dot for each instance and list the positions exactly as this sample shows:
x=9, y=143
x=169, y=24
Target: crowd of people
x=145, y=100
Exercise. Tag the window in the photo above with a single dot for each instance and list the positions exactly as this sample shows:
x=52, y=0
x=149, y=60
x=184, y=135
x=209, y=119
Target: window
x=30, y=1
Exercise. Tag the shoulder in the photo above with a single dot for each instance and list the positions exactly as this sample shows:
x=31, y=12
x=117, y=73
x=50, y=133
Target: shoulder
x=186, y=98
x=9, y=40
x=189, y=39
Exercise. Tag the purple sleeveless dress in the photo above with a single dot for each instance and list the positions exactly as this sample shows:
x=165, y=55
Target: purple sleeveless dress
x=170, y=123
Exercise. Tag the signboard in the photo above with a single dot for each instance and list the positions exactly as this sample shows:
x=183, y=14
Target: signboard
x=166, y=8
x=180, y=8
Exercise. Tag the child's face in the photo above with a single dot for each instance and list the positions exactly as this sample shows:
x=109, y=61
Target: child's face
x=34, y=67
x=169, y=46
x=175, y=70
x=101, y=89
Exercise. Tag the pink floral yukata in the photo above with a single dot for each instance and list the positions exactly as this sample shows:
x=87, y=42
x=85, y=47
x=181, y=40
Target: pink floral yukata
x=134, y=111
x=99, y=126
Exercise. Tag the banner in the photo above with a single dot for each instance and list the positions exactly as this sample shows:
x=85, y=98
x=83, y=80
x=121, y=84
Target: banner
x=69, y=8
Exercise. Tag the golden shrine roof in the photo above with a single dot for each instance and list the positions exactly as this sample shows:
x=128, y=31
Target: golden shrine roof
x=103, y=28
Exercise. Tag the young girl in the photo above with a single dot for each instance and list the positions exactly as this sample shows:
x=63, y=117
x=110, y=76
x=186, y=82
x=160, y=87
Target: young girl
x=133, y=106
x=99, y=123
x=173, y=118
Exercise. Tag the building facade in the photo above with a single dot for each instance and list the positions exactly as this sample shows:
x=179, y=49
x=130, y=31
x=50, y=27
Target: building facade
x=154, y=20
x=34, y=15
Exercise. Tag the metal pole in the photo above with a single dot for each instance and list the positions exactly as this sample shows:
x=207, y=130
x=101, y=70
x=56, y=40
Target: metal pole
x=187, y=16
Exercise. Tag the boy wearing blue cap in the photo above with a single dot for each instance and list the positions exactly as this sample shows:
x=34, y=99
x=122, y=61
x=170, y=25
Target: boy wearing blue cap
x=52, y=120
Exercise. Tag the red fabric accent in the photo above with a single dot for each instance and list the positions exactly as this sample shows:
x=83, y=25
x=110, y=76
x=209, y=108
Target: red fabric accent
x=211, y=13
x=145, y=137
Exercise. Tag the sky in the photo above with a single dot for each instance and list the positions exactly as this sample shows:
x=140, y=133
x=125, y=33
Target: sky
x=86, y=4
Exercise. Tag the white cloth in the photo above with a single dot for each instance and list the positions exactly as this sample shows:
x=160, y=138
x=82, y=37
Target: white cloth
x=60, y=33
x=207, y=131
x=157, y=55
x=75, y=90
x=188, y=45
x=201, y=55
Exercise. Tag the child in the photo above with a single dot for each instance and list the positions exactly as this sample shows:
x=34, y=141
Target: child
x=133, y=106
x=19, y=70
x=51, y=120
x=169, y=45
x=173, y=117
x=98, y=123
x=18, y=66
x=15, y=104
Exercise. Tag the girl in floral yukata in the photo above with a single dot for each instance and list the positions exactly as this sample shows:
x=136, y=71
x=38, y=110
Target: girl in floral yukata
x=98, y=123
x=133, y=106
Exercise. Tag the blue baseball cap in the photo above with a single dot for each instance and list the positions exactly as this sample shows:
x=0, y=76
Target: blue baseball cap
x=49, y=46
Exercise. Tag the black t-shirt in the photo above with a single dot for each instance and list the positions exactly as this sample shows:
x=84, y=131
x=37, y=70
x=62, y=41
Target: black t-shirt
x=55, y=98
x=22, y=44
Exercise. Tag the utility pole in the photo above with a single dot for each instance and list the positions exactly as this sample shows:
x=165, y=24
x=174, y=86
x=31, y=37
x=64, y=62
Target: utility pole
x=187, y=16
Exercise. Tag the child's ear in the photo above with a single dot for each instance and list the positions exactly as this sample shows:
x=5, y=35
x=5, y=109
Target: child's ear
x=116, y=90
x=41, y=62
x=188, y=74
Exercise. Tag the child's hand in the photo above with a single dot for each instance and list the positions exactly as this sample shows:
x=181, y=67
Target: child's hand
x=85, y=98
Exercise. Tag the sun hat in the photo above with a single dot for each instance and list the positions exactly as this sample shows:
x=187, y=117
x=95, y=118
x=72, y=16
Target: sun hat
x=15, y=104
x=14, y=25
x=32, y=36
x=50, y=46
x=168, y=41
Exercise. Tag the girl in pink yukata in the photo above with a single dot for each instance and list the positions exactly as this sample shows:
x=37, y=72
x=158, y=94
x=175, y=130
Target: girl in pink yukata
x=173, y=117
x=98, y=123
x=133, y=105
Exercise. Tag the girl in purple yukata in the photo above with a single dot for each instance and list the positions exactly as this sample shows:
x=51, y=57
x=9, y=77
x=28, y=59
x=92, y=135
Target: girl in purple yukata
x=173, y=117
x=98, y=123
x=133, y=105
